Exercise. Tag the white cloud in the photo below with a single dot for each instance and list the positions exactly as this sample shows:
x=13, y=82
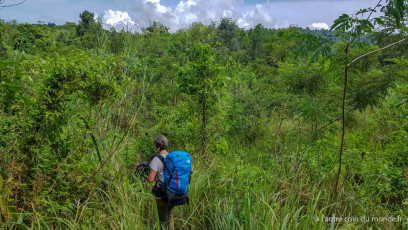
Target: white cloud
x=180, y=13
x=161, y=9
x=191, y=17
x=319, y=26
x=96, y=16
x=270, y=14
x=144, y=12
x=117, y=19
x=181, y=6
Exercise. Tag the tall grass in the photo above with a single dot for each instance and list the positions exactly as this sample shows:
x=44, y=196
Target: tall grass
x=247, y=189
x=225, y=194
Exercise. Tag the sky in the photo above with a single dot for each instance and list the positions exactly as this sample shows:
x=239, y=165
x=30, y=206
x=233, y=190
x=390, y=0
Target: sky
x=179, y=14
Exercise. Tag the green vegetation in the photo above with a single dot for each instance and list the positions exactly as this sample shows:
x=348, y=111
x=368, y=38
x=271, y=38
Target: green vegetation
x=262, y=112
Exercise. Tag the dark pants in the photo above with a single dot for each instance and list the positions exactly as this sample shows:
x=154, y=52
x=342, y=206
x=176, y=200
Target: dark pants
x=164, y=214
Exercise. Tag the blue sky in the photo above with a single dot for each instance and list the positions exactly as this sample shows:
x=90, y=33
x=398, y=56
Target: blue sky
x=180, y=13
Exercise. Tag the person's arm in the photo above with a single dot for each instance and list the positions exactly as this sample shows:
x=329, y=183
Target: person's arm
x=152, y=175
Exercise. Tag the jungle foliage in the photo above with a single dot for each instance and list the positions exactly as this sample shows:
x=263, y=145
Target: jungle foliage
x=260, y=111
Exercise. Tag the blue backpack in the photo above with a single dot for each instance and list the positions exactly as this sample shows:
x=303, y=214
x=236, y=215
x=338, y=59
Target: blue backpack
x=177, y=172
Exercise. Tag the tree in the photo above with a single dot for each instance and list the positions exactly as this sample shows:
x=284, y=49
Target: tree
x=201, y=79
x=86, y=24
x=227, y=34
x=257, y=37
x=156, y=27
x=394, y=13
x=90, y=30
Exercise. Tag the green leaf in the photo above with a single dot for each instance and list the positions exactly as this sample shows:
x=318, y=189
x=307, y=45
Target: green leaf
x=13, y=85
x=364, y=26
x=3, y=65
x=12, y=211
x=378, y=21
x=333, y=222
x=342, y=24
x=21, y=226
x=367, y=10
x=362, y=11
x=2, y=144
x=395, y=9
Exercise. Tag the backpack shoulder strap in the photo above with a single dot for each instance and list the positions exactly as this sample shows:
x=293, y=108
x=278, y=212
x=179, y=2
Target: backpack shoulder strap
x=161, y=158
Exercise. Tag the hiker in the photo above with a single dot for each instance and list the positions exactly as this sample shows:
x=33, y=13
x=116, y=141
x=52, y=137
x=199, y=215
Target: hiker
x=172, y=173
x=157, y=175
